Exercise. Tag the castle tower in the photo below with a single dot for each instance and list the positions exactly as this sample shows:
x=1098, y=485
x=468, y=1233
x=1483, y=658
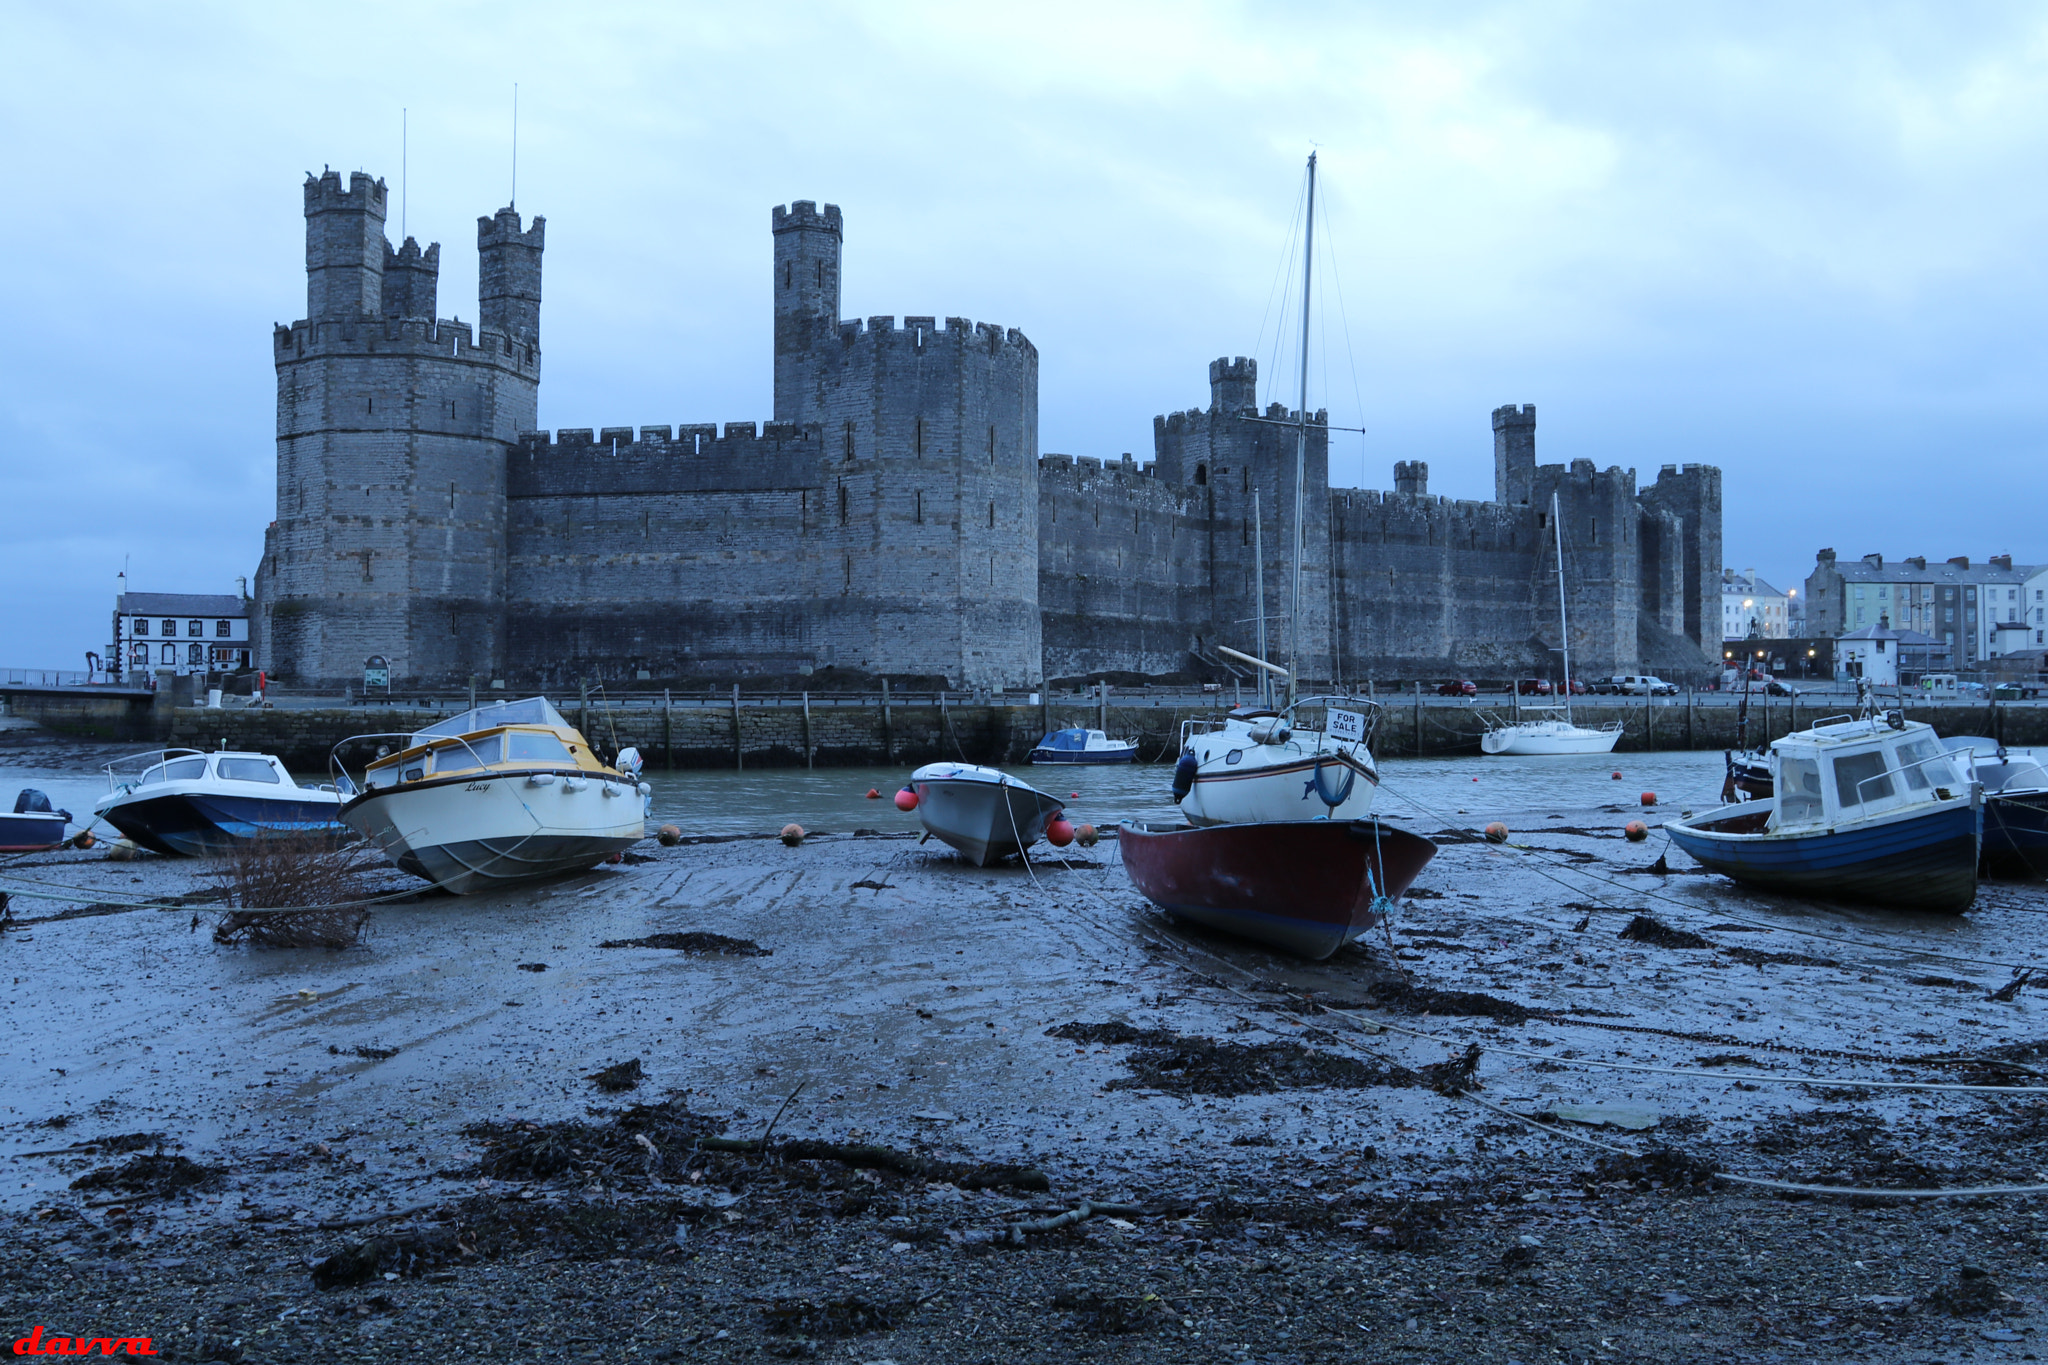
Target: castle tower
x=508, y=276
x=411, y=280
x=345, y=246
x=392, y=433
x=1234, y=385
x=1514, y=453
x=806, y=287
x=1411, y=478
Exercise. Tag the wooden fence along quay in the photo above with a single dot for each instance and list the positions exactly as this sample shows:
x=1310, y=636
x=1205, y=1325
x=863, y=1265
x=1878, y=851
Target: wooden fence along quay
x=735, y=730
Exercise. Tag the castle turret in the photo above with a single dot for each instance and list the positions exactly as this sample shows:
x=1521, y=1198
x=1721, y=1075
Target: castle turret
x=508, y=275
x=1411, y=478
x=1514, y=453
x=345, y=246
x=411, y=279
x=1233, y=384
x=806, y=301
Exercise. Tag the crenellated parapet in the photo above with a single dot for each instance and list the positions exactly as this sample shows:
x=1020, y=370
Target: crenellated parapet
x=444, y=339
x=615, y=461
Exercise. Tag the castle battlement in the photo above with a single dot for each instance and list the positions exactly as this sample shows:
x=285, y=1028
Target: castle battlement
x=803, y=213
x=502, y=229
x=365, y=193
x=686, y=438
x=922, y=333
x=442, y=339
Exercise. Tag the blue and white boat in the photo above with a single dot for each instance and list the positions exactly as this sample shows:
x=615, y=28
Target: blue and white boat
x=187, y=803
x=34, y=824
x=2015, y=805
x=1872, y=811
x=1084, y=746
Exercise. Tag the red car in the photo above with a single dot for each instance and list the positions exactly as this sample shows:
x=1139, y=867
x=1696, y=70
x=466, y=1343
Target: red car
x=1578, y=688
x=1458, y=688
x=1532, y=687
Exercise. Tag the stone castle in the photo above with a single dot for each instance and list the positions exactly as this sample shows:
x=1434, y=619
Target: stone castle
x=896, y=518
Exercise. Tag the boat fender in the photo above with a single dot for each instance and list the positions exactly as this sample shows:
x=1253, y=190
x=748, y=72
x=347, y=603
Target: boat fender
x=610, y=790
x=575, y=784
x=540, y=780
x=1184, y=775
x=646, y=789
x=1332, y=794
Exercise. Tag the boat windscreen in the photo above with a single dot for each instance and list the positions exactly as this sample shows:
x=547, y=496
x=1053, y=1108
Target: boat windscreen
x=1924, y=766
x=1798, y=790
x=247, y=770
x=529, y=711
x=1861, y=777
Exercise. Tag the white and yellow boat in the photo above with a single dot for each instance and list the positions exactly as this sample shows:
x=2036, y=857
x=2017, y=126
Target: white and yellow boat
x=499, y=794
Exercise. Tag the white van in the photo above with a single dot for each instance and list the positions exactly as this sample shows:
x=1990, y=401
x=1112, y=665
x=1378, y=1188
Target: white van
x=1643, y=685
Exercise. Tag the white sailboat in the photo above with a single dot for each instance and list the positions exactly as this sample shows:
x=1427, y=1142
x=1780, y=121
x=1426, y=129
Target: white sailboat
x=1260, y=764
x=1547, y=735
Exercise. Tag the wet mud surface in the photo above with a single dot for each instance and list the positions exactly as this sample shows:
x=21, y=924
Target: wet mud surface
x=957, y=1114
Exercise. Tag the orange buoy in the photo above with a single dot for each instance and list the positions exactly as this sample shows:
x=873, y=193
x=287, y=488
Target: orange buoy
x=669, y=836
x=1617, y=774
x=874, y=795
x=906, y=799
x=792, y=835
x=1058, y=832
x=1636, y=831
x=85, y=839
x=1086, y=836
x=1649, y=798
x=616, y=858
x=1496, y=833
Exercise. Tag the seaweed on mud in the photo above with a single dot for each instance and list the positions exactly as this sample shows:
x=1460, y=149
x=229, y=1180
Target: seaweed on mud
x=152, y=1175
x=1456, y=1075
x=367, y=1053
x=1727, y=1059
x=1756, y=957
x=1114, y=1033
x=618, y=1076
x=1406, y=997
x=1971, y=1294
x=1943, y=981
x=488, y=1228
x=848, y=1317
x=1203, y=1066
x=1108, y=1314
x=1666, y=1166
x=1645, y=929
x=1803, y=1130
x=694, y=942
x=524, y=1150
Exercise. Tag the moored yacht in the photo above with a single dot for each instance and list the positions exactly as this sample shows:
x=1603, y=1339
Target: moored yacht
x=502, y=793
x=1255, y=765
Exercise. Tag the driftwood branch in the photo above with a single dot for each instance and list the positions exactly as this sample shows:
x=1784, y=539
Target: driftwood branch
x=1087, y=1209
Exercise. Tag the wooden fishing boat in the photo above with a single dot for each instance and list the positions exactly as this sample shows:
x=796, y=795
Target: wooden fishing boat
x=1871, y=811
x=1305, y=886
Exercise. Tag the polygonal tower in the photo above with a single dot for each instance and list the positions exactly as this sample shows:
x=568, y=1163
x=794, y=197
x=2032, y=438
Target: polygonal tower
x=392, y=432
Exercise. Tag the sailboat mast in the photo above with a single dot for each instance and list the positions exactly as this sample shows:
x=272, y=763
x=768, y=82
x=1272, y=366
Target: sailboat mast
x=1259, y=577
x=1308, y=257
x=1563, y=631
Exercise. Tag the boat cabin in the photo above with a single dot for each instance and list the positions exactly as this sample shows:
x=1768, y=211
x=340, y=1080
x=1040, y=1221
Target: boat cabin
x=514, y=736
x=1851, y=769
x=190, y=765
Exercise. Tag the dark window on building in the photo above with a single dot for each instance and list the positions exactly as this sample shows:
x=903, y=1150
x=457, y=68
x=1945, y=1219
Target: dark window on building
x=170, y=628
x=787, y=278
x=917, y=438
x=991, y=516
x=141, y=625
x=919, y=512
x=195, y=628
x=842, y=504
x=222, y=629
x=992, y=451
x=1201, y=474
x=849, y=442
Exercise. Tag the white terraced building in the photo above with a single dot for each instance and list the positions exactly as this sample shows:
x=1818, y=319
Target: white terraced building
x=179, y=632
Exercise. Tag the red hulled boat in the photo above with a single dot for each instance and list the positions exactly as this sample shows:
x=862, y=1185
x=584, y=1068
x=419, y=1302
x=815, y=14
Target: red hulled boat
x=1307, y=886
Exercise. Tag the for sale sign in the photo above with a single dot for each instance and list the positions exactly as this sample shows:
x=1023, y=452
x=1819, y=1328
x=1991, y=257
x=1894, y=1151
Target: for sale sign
x=1348, y=726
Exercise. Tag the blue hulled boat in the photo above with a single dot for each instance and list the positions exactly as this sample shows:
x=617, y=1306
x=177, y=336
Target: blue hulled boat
x=184, y=802
x=1084, y=746
x=1872, y=811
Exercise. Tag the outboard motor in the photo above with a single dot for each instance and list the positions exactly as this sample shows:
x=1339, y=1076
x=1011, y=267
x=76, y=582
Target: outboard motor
x=1184, y=775
x=33, y=802
x=630, y=763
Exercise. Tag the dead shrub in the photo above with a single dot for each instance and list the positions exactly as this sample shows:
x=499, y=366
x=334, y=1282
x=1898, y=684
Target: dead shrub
x=294, y=890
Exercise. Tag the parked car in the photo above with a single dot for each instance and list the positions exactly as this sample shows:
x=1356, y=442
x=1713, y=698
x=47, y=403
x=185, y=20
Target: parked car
x=1637, y=685
x=2012, y=691
x=1972, y=689
x=1459, y=687
x=1578, y=689
x=1774, y=688
x=1530, y=687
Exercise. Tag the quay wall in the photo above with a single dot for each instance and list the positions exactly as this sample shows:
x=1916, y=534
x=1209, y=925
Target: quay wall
x=765, y=734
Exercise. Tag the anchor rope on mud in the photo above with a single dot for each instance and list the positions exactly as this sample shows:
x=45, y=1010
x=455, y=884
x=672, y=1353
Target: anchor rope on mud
x=1462, y=1093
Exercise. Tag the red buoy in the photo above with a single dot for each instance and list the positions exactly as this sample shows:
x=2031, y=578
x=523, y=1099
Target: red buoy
x=1636, y=831
x=906, y=799
x=1496, y=833
x=874, y=795
x=1617, y=774
x=1059, y=833
x=1649, y=798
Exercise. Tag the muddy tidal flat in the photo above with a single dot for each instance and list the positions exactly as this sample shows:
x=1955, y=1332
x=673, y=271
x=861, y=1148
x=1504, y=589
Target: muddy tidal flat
x=858, y=1101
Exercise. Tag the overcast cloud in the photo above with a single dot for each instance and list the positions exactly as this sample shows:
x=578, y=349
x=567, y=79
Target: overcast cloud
x=1802, y=243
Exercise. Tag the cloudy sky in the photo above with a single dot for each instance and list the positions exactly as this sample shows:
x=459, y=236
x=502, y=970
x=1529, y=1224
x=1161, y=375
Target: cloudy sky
x=1803, y=243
